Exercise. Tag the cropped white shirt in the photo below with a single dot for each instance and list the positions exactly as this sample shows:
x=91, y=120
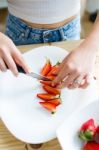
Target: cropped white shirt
x=44, y=11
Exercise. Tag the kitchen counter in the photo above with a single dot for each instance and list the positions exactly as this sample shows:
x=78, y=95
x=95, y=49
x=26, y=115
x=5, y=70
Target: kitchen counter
x=7, y=141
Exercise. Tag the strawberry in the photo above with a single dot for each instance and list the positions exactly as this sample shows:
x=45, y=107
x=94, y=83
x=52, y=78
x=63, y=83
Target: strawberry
x=46, y=82
x=51, y=99
x=47, y=97
x=47, y=67
x=88, y=130
x=51, y=77
x=96, y=137
x=54, y=69
x=56, y=101
x=91, y=146
x=51, y=90
x=49, y=106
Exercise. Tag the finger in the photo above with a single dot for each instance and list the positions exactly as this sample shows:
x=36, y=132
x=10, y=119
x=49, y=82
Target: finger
x=2, y=65
x=75, y=84
x=71, y=86
x=86, y=83
x=80, y=80
x=21, y=62
x=60, y=76
x=69, y=80
x=11, y=64
x=59, y=69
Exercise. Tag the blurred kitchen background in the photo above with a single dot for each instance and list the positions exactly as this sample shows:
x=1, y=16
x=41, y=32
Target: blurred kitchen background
x=88, y=13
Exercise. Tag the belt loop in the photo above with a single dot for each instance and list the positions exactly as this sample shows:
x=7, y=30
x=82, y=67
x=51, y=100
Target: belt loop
x=63, y=36
x=27, y=32
x=47, y=35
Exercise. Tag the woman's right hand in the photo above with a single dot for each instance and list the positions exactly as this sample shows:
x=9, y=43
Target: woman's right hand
x=10, y=56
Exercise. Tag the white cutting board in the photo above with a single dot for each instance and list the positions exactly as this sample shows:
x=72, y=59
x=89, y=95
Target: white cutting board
x=19, y=107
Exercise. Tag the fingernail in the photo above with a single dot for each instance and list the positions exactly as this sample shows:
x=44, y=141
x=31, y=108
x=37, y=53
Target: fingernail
x=16, y=74
x=4, y=70
x=29, y=70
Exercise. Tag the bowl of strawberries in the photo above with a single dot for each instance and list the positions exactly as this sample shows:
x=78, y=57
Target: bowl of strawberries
x=81, y=130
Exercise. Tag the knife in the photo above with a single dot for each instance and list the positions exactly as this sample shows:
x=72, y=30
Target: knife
x=35, y=75
x=32, y=74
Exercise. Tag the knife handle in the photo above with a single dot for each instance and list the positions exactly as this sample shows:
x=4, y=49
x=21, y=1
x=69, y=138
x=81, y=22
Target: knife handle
x=19, y=68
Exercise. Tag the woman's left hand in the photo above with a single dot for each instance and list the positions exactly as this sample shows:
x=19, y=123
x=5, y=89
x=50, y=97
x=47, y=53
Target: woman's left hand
x=76, y=70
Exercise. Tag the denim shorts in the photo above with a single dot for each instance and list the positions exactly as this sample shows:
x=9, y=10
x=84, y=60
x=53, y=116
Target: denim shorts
x=22, y=34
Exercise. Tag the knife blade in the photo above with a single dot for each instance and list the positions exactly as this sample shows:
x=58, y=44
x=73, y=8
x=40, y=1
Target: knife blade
x=38, y=76
x=32, y=74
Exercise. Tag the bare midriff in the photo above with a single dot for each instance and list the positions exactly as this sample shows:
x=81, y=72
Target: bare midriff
x=50, y=26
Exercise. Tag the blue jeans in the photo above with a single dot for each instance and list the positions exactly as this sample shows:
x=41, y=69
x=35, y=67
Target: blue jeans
x=21, y=33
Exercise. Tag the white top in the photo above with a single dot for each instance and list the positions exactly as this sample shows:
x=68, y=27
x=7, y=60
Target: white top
x=44, y=11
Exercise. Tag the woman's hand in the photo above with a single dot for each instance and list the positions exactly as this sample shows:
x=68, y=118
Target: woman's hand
x=10, y=56
x=76, y=70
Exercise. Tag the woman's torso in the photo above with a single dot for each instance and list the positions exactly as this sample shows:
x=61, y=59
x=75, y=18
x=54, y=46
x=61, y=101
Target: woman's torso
x=44, y=13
